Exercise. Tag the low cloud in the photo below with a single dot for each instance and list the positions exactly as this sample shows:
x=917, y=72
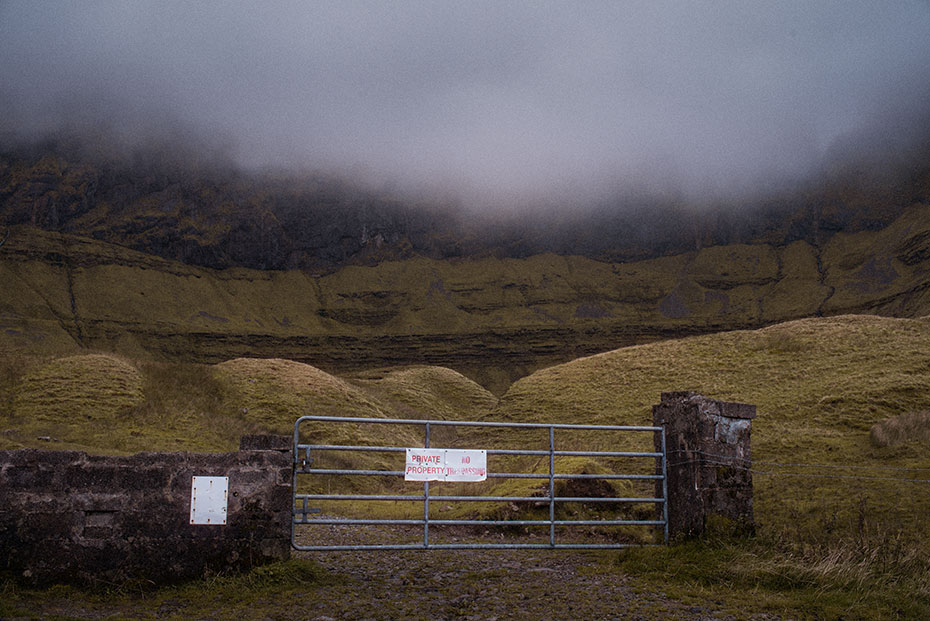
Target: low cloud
x=492, y=104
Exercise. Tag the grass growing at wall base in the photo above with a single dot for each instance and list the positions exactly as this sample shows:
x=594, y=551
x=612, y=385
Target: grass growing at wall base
x=194, y=599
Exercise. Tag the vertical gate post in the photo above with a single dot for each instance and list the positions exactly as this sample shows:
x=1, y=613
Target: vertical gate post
x=426, y=497
x=708, y=458
x=551, y=485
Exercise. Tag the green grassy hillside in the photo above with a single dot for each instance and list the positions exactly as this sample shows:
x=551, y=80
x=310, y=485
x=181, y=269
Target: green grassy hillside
x=493, y=319
x=839, y=443
x=820, y=386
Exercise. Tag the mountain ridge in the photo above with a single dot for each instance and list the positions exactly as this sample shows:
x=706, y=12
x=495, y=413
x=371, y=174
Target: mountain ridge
x=208, y=213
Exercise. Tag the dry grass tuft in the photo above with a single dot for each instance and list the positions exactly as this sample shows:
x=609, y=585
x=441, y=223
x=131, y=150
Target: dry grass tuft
x=910, y=426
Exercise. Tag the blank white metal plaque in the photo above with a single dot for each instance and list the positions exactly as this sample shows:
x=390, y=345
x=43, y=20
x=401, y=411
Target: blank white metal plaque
x=209, y=497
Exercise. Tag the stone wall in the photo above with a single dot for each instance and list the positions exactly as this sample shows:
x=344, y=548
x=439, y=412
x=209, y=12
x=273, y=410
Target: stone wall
x=708, y=460
x=66, y=516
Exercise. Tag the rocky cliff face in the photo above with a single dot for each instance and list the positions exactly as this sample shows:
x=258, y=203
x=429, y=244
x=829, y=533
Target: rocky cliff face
x=218, y=218
x=181, y=208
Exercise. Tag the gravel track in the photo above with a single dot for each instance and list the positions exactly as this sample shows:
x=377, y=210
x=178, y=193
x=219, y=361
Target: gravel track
x=486, y=584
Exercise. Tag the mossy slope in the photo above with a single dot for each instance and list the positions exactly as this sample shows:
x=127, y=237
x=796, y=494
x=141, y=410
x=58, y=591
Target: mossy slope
x=109, y=403
x=91, y=388
x=492, y=318
x=429, y=392
x=819, y=384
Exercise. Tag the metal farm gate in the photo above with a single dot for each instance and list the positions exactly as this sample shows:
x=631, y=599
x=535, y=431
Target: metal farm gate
x=421, y=460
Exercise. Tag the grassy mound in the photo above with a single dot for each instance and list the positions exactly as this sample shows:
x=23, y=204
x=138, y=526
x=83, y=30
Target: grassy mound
x=105, y=403
x=273, y=393
x=843, y=373
x=819, y=384
x=92, y=387
x=842, y=528
x=429, y=392
x=69, y=402
x=102, y=403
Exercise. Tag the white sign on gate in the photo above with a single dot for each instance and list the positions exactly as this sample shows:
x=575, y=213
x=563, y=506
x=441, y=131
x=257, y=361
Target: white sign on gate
x=425, y=464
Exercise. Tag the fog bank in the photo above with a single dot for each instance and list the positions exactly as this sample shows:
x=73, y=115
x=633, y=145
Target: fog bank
x=493, y=104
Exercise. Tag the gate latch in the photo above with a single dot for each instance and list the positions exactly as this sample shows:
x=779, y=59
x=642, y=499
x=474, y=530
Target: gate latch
x=300, y=515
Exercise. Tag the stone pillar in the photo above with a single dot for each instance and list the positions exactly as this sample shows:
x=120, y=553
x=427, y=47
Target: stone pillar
x=708, y=461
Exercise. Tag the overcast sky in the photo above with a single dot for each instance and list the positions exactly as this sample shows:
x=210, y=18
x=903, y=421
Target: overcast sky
x=498, y=102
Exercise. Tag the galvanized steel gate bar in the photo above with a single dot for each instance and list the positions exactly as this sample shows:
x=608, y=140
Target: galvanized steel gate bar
x=303, y=461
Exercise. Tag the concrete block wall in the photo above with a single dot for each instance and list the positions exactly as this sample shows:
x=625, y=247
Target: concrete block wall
x=66, y=516
x=708, y=443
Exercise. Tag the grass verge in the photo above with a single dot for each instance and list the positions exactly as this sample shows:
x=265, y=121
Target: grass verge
x=196, y=599
x=881, y=577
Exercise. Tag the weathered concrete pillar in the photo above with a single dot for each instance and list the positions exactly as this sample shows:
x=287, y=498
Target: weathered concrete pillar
x=708, y=460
